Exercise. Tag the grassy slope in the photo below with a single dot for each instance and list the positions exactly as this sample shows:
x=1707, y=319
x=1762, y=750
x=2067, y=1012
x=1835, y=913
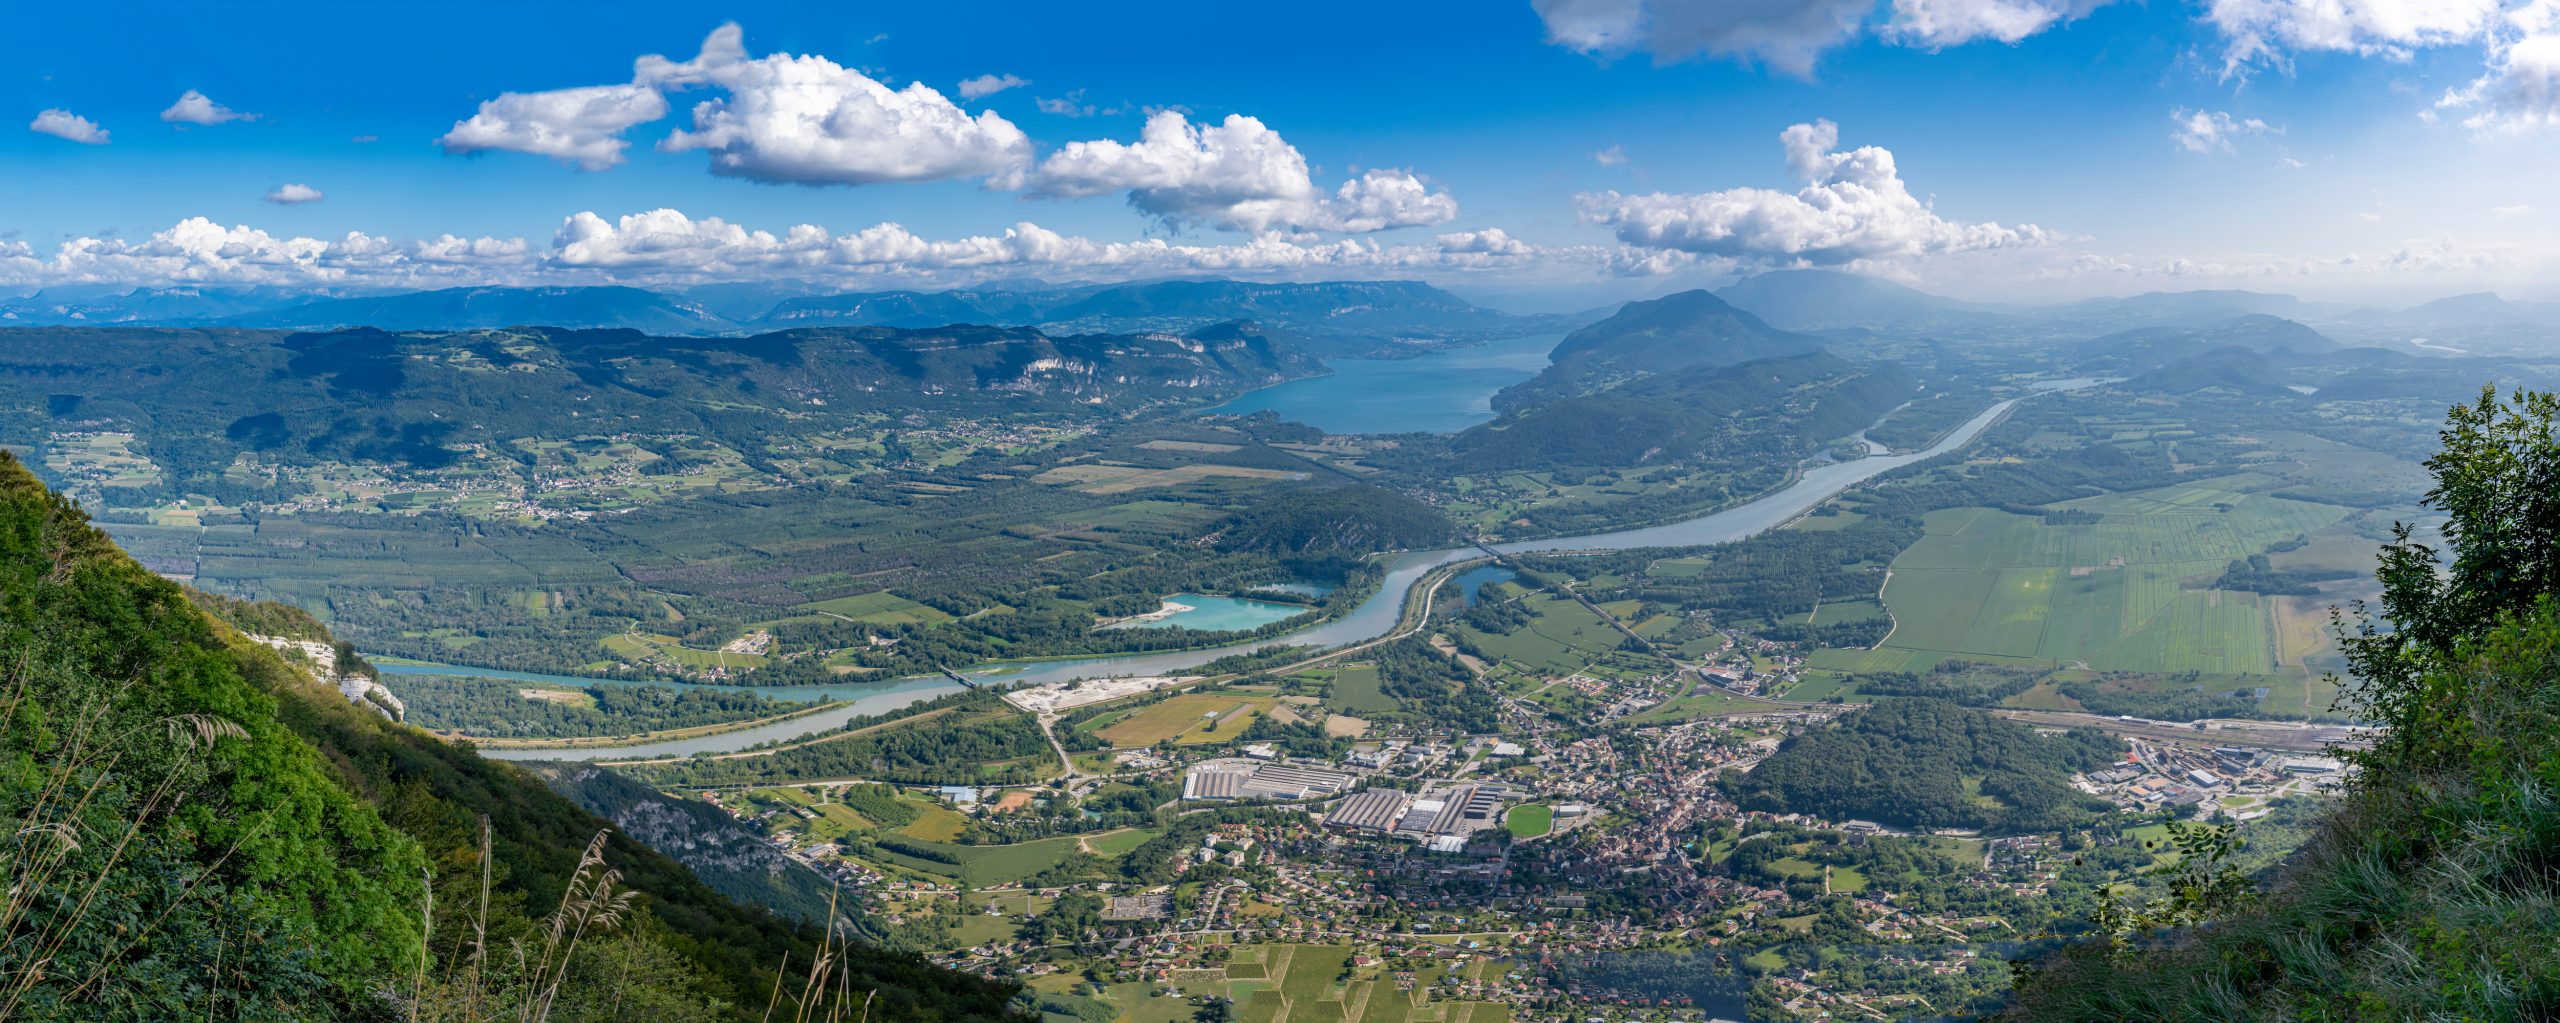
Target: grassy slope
x=160, y=814
x=431, y=792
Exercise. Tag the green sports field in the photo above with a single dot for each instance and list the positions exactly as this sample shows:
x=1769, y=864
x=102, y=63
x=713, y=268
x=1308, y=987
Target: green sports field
x=2127, y=592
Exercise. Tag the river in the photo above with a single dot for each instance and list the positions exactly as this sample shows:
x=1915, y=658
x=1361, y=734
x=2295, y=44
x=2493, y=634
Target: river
x=1370, y=619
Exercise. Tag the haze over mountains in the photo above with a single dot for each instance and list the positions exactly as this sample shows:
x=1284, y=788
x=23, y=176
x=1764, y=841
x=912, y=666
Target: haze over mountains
x=1344, y=317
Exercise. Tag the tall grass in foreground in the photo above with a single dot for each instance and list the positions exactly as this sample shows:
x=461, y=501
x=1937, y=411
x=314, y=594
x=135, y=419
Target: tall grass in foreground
x=60, y=868
x=579, y=963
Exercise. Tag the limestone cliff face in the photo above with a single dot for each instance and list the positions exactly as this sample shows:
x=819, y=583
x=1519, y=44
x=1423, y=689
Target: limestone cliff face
x=322, y=659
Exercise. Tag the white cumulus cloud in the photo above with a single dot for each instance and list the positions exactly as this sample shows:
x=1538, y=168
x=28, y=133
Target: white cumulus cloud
x=196, y=108
x=2520, y=90
x=808, y=120
x=1381, y=199
x=802, y=119
x=1936, y=24
x=1853, y=207
x=984, y=86
x=293, y=194
x=198, y=250
x=1237, y=174
x=2265, y=32
x=667, y=246
x=67, y=125
x=581, y=126
x=1491, y=241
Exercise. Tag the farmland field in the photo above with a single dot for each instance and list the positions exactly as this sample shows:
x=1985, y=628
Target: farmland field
x=1299, y=984
x=882, y=608
x=1562, y=638
x=1355, y=691
x=1186, y=719
x=2128, y=592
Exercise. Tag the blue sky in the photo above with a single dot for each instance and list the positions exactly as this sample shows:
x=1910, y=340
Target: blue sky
x=2048, y=148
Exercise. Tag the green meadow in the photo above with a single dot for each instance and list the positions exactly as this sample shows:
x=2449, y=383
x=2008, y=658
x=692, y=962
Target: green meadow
x=2130, y=591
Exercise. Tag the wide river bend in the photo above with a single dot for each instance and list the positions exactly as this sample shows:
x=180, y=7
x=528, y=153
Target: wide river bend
x=1370, y=619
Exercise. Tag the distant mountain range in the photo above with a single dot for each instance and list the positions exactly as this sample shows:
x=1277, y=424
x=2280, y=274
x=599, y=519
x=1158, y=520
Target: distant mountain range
x=1334, y=318
x=1830, y=301
x=1768, y=314
x=2479, y=309
x=2148, y=348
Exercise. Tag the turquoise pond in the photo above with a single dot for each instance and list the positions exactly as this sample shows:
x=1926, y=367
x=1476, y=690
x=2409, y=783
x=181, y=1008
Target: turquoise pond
x=1471, y=583
x=1219, y=614
x=1437, y=392
x=1301, y=589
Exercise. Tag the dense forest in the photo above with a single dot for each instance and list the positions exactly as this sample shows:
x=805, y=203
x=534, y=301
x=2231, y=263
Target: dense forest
x=496, y=708
x=1928, y=763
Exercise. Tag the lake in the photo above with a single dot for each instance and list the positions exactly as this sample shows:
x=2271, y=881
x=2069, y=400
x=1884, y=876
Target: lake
x=1471, y=583
x=1442, y=391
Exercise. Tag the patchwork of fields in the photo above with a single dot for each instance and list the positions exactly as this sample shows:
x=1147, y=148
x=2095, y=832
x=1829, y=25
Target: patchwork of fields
x=2129, y=591
x=1300, y=984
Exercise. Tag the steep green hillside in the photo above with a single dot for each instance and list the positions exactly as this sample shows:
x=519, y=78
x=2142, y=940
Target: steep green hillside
x=2430, y=893
x=203, y=829
x=174, y=846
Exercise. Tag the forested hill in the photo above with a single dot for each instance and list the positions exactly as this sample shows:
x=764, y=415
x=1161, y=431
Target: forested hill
x=1929, y=763
x=1778, y=409
x=1692, y=328
x=251, y=845
x=203, y=397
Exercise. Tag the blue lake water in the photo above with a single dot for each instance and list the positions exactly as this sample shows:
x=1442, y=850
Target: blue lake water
x=1439, y=392
x=1471, y=583
x=1220, y=614
x=1301, y=589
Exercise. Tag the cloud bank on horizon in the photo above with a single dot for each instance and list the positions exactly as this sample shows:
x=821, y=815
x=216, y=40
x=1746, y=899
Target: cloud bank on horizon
x=1230, y=194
